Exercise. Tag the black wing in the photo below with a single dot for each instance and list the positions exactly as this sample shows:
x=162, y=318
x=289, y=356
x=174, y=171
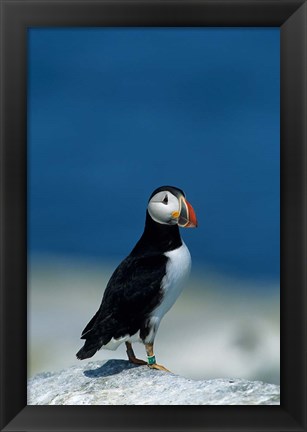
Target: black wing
x=133, y=291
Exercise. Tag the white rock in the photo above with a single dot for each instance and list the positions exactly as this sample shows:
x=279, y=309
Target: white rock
x=117, y=382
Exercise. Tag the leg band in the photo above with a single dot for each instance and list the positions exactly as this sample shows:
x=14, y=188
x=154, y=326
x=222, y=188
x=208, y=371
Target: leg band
x=151, y=360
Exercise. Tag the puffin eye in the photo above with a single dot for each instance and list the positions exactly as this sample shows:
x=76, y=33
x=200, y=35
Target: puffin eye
x=165, y=200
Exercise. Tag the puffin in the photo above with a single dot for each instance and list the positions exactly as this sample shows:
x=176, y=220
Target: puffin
x=146, y=283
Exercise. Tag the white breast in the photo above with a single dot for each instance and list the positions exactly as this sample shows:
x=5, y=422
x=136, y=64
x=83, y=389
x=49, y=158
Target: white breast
x=177, y=270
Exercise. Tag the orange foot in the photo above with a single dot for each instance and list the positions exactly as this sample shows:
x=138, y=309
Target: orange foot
x=158, y=367
x=131, y=355
x=137, y=361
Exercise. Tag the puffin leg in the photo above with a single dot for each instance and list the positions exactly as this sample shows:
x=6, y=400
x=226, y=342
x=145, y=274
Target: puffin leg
x=131, y=355
x=152, y=360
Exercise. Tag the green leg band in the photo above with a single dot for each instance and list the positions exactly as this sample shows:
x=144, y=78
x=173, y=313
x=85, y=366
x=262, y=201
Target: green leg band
x=151, y=360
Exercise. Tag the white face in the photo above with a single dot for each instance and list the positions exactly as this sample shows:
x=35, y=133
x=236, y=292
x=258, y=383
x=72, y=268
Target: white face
x=164, y=208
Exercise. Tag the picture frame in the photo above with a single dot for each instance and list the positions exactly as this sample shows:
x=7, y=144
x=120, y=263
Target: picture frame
x=16, y=18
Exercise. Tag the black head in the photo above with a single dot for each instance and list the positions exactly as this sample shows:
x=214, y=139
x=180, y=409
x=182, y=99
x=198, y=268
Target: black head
x=167, y=205
x=174, y=190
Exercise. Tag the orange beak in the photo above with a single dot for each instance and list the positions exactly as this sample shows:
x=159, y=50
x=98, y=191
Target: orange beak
x=187, y=217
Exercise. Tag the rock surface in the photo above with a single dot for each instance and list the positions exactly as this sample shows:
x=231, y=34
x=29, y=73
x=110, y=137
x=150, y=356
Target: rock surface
x=117, y=382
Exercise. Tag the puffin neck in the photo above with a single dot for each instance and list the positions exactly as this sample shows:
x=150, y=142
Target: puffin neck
x=157, y=238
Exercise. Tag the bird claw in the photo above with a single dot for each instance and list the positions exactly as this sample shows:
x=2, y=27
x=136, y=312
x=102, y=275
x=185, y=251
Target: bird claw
x=158, y=367
x=137, y=361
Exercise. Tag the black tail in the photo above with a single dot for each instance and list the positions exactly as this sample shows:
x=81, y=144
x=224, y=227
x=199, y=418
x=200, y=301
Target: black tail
x=89, y=349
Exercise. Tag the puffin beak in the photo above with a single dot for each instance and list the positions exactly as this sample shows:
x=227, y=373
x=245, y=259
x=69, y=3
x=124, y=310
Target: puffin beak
x=187, y=217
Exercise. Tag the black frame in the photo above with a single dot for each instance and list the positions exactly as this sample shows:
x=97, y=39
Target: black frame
x=16, y=17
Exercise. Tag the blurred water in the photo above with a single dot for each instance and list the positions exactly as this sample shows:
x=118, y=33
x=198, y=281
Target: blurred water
x=219, y=327
x=114, y=113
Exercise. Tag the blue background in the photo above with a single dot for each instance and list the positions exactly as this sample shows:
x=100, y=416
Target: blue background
x=114, y=113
